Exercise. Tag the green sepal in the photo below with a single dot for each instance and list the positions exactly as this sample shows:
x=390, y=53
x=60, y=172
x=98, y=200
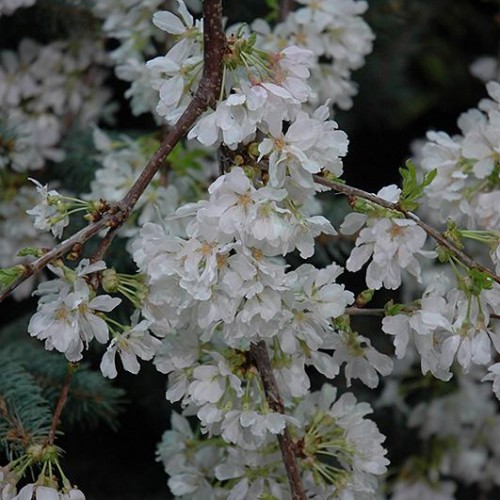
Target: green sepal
x=479, y=281
x=392, y=309
x=452, y=234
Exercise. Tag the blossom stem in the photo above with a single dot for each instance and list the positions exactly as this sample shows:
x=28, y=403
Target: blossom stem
x=263, y=363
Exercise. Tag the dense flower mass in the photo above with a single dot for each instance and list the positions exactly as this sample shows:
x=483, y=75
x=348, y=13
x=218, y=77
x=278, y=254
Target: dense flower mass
x=42, y=90
x=235, y=296
x=466, y=187
x=231, y=289
x=327, y=424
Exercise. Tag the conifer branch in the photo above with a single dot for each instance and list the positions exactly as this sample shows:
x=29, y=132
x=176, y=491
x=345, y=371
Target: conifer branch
x=25, y=415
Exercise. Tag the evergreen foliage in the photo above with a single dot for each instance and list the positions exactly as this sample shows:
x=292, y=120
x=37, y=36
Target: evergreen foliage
x=91, y=398
x=25, y=413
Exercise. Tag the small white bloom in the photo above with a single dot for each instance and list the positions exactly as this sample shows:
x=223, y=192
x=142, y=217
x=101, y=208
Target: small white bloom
x=135, y=342
x=362, y=360
x=393, y=244
x=50, y=213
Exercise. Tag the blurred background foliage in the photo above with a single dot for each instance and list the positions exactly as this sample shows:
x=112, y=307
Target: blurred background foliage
x=416, y=79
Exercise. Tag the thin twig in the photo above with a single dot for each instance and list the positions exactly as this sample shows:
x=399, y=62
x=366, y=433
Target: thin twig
x=359, y=193
x=288, y=449
x=64, y=247
x=63, y=397
x=434, y=233
x=285, y=8
x=358, y=311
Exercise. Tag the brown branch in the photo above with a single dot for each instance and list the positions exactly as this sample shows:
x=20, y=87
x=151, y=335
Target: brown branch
x=359, y=193
x=206, y=95
x=434, y=233
x=98, y=255
x=285, y=8
x=63, y=397
x=64, y=247
x=287, y=446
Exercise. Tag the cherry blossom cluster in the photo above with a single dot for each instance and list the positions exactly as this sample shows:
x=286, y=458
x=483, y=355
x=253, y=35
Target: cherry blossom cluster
x=333, y=33
x=452, y=323
x=43, y=90
x=337, y=35
x=390, y=240
x=329, y=424
x=121, y=160
x=68, y=317
x=466, y=188
x=224, y=286
x=229, y=285
x=211, y=248
x=71, y=314
x=454, y=433
x=129, y=23
x=17, y=230
x=455, y=320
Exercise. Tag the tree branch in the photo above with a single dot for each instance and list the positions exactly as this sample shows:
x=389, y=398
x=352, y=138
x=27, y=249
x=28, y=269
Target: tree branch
x=206, y=95
x=287, y=446
x=79, y=238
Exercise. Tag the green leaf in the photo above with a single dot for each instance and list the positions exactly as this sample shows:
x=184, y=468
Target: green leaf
x=274, y=7
x=9, y=275
x=412, y=189
x=31, y=251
